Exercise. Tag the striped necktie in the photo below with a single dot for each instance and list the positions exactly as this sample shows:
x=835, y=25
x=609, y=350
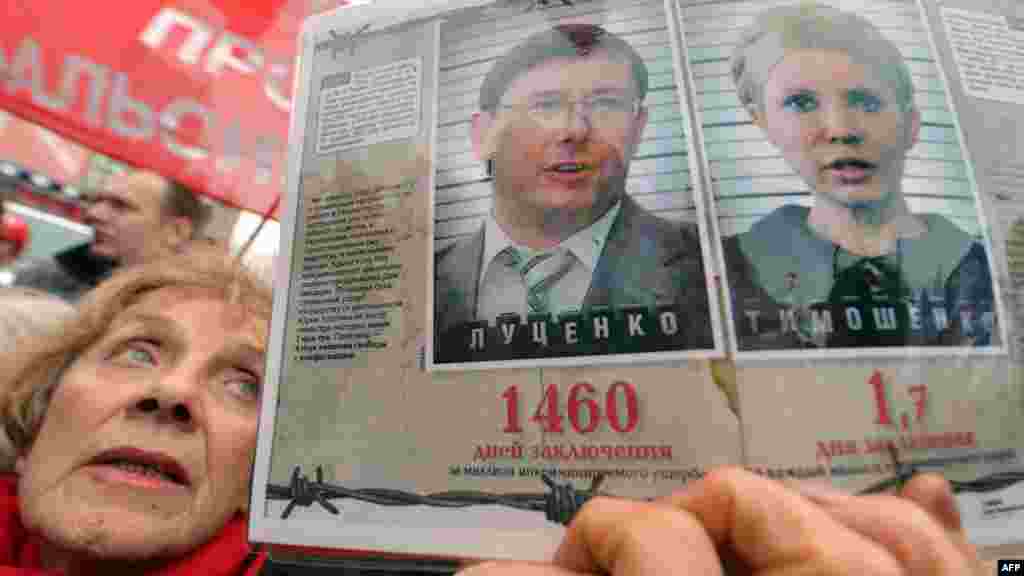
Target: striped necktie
x=540, y=272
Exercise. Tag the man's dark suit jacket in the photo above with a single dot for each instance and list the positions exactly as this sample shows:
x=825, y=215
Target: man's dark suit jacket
x=68, y=274
x=647, y=262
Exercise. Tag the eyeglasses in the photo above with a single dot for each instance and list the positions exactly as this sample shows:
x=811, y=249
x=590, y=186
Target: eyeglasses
x=600, y=109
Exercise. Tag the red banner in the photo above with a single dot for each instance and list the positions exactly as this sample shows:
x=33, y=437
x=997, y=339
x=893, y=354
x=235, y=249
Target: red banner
x=40, y=150
x=197, y=90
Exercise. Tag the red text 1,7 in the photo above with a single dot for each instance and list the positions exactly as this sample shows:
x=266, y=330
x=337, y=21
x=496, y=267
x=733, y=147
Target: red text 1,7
x=918, y=393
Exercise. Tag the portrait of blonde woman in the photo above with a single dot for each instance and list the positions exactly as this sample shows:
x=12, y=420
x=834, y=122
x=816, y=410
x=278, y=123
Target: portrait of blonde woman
x=857, y=267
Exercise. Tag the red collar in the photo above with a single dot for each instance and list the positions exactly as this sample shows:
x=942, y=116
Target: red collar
x=228, y=554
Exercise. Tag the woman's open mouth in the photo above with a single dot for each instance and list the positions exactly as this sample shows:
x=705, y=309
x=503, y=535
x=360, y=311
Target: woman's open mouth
x=850, y=171
x=141, y=468
x=568, y=173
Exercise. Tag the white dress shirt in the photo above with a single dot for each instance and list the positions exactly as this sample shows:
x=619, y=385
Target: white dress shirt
x=502, y=289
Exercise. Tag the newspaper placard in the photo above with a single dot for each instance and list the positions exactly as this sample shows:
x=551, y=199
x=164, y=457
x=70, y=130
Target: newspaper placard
x=533, y=244
x=377, y=392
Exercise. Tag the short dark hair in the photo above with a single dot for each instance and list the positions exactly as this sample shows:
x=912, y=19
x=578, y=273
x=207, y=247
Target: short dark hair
x=181, y=201
x=562, y=41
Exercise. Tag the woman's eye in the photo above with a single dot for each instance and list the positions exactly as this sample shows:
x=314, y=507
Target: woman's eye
x=801, y=102
x=136, y=352
x=608, y=104
x=546, y=106
x=866, y=101
x=245, y=386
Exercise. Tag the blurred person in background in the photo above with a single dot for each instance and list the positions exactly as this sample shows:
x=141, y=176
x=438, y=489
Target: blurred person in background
x=14, y=235
x=25, y=313
x=14, y=232
x=139, y=216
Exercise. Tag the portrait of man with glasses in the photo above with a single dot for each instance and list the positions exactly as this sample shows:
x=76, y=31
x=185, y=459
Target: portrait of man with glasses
x=566, y=263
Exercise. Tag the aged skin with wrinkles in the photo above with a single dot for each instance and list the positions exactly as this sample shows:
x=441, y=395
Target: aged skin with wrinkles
x=176, y=381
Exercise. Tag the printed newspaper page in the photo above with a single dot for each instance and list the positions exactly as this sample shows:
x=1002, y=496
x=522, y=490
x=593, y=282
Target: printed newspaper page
x=851, y=236
x=498, y=281
x=532, y=245
x=860, y=357
x=565, y=243
x=989, y=95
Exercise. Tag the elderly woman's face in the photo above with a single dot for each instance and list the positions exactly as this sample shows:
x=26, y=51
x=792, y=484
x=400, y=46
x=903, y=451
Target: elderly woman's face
x=146, y=447
x=839, y=126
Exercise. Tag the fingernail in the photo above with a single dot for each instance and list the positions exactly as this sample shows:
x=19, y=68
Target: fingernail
x=934, y=494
